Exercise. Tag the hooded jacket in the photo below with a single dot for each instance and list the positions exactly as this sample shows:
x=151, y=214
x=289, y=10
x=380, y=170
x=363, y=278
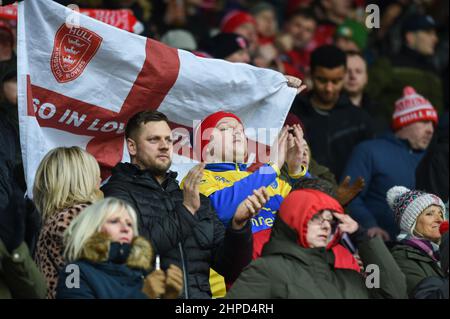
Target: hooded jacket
x=201, y=239
x=288, y=269
x=107, y=270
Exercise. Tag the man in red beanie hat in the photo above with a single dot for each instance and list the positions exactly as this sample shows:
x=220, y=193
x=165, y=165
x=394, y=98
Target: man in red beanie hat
x=242, y=23
x=391, y=160
x=227, y=181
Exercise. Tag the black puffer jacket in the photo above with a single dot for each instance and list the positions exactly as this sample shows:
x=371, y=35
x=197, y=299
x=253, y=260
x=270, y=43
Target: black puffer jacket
x=168, y=225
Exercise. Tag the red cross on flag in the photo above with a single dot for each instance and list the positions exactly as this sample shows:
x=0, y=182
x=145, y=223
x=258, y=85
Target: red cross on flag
x=79, y=85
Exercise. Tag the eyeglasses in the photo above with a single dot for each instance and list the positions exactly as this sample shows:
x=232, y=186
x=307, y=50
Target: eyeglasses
x=319, y=220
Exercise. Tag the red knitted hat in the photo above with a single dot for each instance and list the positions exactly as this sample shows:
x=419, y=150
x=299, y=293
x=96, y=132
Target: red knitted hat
x=235, y=19
x=411, y=108
x=209, y=122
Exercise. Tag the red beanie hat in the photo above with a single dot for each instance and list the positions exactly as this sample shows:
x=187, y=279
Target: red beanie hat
x=235, y=19
x=411, y=108
x=209, y=122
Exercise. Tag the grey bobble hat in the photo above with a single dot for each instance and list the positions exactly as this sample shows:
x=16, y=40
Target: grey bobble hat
x=409, y=204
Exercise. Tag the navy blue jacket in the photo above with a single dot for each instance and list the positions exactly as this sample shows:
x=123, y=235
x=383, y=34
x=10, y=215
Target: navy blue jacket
x=383, y=163
x=112, y=279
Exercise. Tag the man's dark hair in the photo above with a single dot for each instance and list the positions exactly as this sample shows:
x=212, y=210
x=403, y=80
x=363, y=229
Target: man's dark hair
x=134, y=123
x=316, y=184
x=305, y=13
x=355, y=53
x=329, y=57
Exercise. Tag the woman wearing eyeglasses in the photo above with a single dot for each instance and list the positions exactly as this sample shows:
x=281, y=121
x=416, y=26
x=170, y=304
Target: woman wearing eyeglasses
x=305, y=259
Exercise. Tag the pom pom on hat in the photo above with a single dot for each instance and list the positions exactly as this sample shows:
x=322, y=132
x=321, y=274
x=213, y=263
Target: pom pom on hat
x=394, y=193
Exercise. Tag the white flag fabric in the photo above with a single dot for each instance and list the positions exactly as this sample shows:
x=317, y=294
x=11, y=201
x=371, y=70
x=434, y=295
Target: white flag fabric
x=78, y=85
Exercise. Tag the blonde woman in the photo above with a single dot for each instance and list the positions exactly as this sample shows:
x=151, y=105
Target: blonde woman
x=110, y=260
x=419, y=216
x=67, y=180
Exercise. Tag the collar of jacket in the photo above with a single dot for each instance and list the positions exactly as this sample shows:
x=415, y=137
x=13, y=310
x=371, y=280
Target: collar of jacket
x=419, y=255
x=390, y=136
x=222, y=167
x=408, y=57
x=145, y=177
x=342, y=102
x=100, y=249
x=283, y=241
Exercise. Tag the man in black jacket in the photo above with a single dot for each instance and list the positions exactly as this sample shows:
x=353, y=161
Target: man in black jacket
x=333, y=125
x=181, y=224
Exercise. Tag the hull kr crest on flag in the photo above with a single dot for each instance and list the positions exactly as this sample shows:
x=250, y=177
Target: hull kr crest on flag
x=80, y=85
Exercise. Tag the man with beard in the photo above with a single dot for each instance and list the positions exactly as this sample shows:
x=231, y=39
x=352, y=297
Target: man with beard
x=181, y=225
x=391, y=160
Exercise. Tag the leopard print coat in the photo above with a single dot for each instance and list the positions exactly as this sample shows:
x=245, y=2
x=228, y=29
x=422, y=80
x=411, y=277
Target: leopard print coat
x=50, y=245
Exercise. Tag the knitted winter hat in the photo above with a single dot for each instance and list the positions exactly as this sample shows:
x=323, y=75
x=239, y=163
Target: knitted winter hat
x=225, y=44
x=234, y=20
x=411, y=108
x=409, y=204
x=354, y=31
x=209, y=122
x=180, y=39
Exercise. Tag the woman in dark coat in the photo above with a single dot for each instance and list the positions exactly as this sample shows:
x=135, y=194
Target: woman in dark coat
x=108, y=260
x=304, y=257
x=419, y=216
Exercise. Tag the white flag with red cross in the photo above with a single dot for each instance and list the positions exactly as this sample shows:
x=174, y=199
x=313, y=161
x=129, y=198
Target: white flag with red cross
x=79, y=85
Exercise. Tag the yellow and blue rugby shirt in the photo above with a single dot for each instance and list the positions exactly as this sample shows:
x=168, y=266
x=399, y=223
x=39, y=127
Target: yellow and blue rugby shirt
x=227, y=185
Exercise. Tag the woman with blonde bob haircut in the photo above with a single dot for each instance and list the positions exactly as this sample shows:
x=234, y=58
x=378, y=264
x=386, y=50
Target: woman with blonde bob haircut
x=66, y=182
x=113, y=261
x=419, y=216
